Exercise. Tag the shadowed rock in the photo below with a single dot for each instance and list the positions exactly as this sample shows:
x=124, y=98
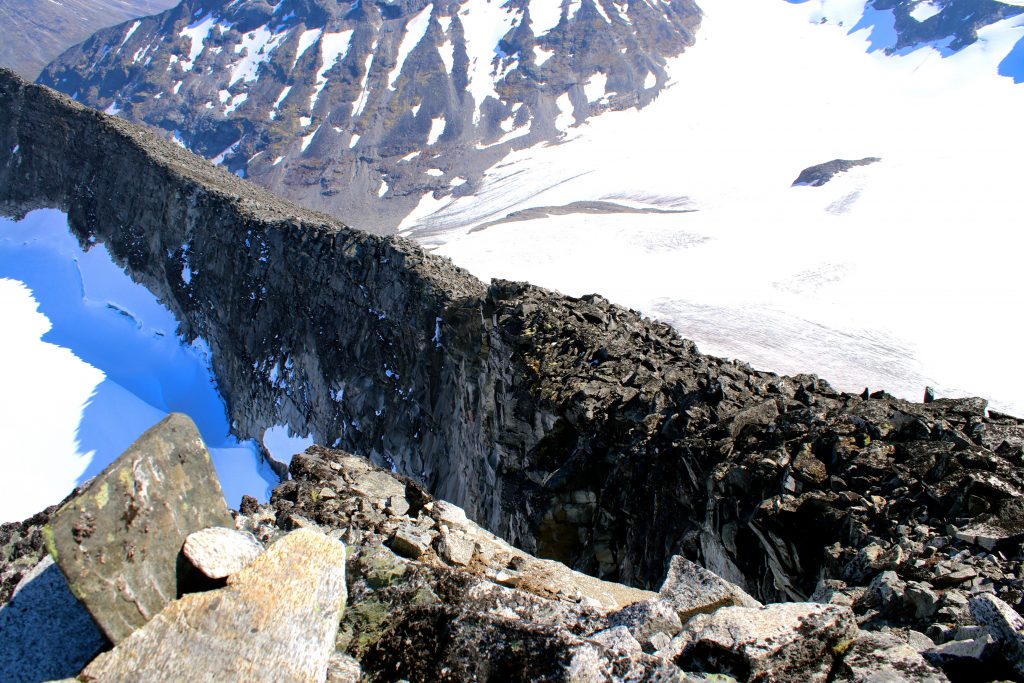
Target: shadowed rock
x=786, y=641
x=45, y=632
x=275, y=621
x=818, y=175
x=119, y=540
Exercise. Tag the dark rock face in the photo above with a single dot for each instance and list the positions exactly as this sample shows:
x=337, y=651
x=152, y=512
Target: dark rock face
x=818, y=175
x=36, y=33
x=575, y=429
x=956, y=25
x=361, y=108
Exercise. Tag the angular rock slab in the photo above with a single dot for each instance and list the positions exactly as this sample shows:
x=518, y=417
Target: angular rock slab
x=118, y=543
x=45, y=632
x=218, y=552
x=784, y=641
x=275, y=621
x=690, y=589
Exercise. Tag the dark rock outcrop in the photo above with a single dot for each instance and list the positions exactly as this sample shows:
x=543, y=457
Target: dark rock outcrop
x=573, y=428
x=818, y=175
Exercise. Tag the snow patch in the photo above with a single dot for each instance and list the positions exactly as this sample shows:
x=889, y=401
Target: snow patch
x=437, y=126
x=414, y=32
x=282, y=444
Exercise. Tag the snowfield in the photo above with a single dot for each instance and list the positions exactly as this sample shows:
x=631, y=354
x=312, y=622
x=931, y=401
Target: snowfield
x=93, y=361
x=895, y=275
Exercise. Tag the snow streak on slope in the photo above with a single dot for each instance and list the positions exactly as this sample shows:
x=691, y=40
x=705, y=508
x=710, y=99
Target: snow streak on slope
x=894, y=275
x=95, y=366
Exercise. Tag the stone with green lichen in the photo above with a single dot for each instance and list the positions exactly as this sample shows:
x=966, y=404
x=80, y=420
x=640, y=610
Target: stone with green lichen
x=119, y=540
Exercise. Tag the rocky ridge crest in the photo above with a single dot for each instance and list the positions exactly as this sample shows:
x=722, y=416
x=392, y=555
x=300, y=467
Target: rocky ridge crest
x=573, y=428
x=361, y=109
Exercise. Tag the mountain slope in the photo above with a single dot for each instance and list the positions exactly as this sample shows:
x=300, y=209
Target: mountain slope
x=362, y=108
x=35, y=33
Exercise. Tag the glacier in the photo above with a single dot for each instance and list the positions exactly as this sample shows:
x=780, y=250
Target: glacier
x=93, y=360
x=892, y=276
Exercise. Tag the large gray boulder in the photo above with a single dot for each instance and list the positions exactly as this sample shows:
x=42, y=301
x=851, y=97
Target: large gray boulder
x=275, y=621
x=782, y=641
x=44, y=630
x=119, y=541
x=690, y=589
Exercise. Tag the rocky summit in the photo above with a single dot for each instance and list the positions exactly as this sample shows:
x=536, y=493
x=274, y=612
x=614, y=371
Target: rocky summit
x=651, y=512
x=362, y=109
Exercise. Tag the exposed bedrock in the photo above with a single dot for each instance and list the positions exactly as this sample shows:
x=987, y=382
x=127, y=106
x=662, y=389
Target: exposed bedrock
x=576, y=429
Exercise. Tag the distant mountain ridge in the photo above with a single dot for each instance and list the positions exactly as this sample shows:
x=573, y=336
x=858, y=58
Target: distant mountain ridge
x=35, y=33
x=362, y=109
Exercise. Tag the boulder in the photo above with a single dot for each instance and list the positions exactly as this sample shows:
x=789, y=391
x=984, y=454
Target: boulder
x=45, y=632
x=275, y=621
x=119, y=541
x=1004, y=624
x=782, y=641
x=218, y=552
x=884, y=658
x=690, y=589
x=646, y=618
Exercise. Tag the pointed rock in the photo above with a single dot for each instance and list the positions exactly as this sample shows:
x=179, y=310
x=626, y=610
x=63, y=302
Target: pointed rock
x=119, y=541
x=690, y=589
x=275, y=621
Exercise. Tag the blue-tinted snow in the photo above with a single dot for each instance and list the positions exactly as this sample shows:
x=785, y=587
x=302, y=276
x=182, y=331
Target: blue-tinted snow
x=120, y=328
x=282, y=444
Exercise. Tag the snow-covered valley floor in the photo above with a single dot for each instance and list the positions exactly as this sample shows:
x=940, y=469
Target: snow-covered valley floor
x=92, y=361
x=893, y=276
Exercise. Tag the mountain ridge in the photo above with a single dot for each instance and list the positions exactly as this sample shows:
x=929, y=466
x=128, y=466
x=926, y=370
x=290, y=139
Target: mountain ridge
x=365, y=109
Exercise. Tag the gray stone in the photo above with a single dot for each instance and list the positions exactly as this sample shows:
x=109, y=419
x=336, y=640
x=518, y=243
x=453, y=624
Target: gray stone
x=45, y=632
x=218, y=552
x=923, y=599
x=884, y=658
x=781, y=641
x=962, y=653
x=690, y=589
x=410, y=541
x=646, y=618
x=618, y=639
x=456, y=548
x=1005, y=624
x=119, y=541
x=342, y=668
x=889, y=588
x=276, y=620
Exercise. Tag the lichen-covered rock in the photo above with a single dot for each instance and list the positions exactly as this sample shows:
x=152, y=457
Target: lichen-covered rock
x=690, y=589
x=1004, y=624
x=218, y=552
x=276, y=620
x=884, y=658
x=646, y=618
x=783, y=641
x=119, y=540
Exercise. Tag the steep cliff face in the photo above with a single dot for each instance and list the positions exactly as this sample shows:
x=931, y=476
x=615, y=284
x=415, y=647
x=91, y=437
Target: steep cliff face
x=574, y=428
x=362, y=108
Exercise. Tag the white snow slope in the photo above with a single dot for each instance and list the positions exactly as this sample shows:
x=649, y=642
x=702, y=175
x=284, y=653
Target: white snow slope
x=892, y=276
x=92, y=361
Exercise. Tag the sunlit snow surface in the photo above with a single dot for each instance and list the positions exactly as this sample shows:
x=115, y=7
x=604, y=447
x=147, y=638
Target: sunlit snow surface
x=896, y=275
x=92, y=362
